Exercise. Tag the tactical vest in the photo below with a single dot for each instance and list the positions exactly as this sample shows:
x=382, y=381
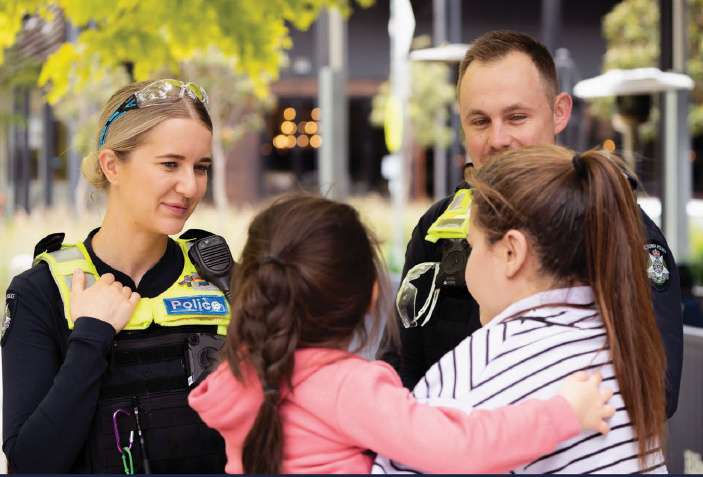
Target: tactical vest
x=143, y=394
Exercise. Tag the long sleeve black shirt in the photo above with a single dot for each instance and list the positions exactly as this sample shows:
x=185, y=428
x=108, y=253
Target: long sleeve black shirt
x=52, y=375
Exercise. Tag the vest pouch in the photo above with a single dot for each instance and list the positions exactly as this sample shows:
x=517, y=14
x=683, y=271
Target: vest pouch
x=175, y=438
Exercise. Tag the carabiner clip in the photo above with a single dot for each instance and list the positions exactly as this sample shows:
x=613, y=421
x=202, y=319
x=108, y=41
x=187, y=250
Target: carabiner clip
x=116, y=431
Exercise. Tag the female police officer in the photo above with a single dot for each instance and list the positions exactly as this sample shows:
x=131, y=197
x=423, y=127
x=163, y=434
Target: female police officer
x=94, y=361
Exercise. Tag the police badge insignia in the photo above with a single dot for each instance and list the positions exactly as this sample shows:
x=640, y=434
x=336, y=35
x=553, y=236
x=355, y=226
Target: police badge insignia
x=10, y=303
x=195, y=281
x=657, y=271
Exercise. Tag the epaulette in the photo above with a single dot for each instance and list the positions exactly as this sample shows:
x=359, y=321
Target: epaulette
x=463, y=185
x=194, y=234
x=50, y=243
x=634, y=183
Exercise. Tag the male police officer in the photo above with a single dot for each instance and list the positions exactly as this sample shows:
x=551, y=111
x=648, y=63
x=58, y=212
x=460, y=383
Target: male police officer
x=509, y=98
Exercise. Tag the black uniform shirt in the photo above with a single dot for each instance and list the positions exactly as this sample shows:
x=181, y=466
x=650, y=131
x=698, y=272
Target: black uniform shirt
x=456, y=313
x=51, y=375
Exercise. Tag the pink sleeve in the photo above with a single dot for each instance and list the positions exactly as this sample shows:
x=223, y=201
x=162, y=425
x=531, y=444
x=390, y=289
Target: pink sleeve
x=376, y=412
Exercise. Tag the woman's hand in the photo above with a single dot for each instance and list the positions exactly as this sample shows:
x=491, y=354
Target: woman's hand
x=106, y=300
x=588, y=401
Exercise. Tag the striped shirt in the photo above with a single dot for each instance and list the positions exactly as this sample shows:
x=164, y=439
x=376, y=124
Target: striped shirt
x=526, y=352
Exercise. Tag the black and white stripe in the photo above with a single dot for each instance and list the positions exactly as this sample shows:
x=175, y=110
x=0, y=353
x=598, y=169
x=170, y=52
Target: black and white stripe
x=526, y=352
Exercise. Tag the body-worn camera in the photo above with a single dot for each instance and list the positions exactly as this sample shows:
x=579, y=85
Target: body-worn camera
x=202, y=356
x=455, y=253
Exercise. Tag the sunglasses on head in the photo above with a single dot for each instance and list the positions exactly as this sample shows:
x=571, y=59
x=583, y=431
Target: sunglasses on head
x=158, y=92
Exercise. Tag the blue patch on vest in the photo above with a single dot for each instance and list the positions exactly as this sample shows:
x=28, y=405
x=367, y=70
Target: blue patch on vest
x=196, y=305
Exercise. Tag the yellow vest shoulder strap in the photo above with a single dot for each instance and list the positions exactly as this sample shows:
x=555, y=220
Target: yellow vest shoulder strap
x=62, y=263
x=454, y=221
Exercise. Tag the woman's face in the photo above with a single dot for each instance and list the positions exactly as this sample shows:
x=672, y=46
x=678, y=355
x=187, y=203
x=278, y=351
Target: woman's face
x=485, y=277
x=163, y=179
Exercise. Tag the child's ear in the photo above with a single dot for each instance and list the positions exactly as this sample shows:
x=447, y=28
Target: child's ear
x=515, y=252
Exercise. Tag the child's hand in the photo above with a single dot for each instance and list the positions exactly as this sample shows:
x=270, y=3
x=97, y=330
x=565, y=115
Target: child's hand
x=588, y=401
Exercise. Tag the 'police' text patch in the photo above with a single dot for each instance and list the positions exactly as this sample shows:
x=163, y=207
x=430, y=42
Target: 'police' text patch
x=196, y=305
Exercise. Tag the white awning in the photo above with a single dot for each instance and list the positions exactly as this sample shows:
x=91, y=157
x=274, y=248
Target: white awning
x=449, y=53
x=633, y=81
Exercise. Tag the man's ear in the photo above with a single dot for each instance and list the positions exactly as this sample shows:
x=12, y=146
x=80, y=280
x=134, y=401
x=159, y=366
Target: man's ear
x=109, y=163
x=515, y=247
x=563, y=105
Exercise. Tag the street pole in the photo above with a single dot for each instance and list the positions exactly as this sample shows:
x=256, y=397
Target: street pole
x=674, y=131
x=74, y=158
x=333, y=156
x=455, y=164
x=21, y=157
x=401, y=28
x=551, y=24
x=440, y=151
x=48, y=158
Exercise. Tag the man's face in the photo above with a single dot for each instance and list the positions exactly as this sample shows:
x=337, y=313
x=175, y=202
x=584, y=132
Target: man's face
x=504, y=104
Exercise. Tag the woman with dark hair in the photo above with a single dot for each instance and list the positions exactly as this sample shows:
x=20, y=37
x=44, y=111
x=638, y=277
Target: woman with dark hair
x=291, y=398
x=96, y=334
x=558, y=271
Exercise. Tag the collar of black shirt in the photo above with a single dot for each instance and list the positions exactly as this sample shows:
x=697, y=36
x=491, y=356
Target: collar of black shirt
x=155, y=281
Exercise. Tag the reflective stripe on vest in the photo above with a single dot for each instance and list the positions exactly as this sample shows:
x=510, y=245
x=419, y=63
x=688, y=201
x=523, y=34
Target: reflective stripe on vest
x=454, y=221
x=189, y=301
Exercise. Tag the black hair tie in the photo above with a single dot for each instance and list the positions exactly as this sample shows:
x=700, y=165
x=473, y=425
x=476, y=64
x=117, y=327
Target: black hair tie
x=272, y=259
x=272, y=393
x=579, y=165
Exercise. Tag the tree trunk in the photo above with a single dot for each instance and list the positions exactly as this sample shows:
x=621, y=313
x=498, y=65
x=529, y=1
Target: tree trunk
x=419, y=180
x=219, y=168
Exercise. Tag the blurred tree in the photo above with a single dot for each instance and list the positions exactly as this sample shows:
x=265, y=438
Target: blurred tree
x=152, y=35
x=83, y=108
x=234, y=49
x=631, y=32
x=18, y=73
x=235, y=109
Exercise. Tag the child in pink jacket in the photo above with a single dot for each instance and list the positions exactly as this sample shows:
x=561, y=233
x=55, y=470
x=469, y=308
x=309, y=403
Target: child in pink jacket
x=291, y=399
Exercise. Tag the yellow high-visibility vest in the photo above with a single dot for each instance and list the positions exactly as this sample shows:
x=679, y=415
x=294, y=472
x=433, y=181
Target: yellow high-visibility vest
x=188, y=301
x=454, y=221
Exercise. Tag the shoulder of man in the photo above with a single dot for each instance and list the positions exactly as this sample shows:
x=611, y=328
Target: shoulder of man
x=418, y=249
x=436, y=210
x=661, y=265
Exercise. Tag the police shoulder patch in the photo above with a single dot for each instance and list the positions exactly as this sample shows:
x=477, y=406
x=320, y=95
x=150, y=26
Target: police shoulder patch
x=10, y=307
x=658, y=265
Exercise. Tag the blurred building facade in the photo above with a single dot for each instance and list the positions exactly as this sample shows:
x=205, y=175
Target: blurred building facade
x=34, y=164
x=575, y=30
x=30, y=137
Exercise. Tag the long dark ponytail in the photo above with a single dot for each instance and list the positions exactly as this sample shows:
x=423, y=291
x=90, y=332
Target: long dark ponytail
x=585, y=225
x=618, y=274
x=305, y=279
